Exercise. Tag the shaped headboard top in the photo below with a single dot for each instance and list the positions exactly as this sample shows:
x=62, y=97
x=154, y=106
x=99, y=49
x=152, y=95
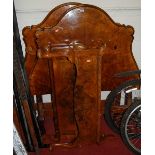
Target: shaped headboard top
x=87, y=25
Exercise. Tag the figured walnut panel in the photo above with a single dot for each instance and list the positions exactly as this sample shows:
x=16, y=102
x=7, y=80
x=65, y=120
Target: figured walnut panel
x=84, y=24
x=76, y=93
x=33, y=65
x=87, y=94
x=93, y=28
x=63, y=75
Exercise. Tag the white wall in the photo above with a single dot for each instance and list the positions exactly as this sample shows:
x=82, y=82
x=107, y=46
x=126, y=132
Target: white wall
x=128, y=12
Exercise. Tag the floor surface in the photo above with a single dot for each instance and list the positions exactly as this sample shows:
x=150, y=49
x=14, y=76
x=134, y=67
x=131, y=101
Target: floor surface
x=111, y=145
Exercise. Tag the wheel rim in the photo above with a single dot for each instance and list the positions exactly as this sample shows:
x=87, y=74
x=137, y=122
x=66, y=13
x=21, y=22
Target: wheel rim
x=118, y=108
x=133, y=129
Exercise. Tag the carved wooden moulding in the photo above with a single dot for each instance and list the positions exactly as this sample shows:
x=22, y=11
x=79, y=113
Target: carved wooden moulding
x=74, y=54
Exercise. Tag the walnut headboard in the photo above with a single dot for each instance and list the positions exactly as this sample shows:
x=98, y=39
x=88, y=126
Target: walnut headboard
x=86, y=26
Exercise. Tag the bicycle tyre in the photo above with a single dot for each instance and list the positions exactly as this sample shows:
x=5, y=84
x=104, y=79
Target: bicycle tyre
x=124, y=124
x=109, y=103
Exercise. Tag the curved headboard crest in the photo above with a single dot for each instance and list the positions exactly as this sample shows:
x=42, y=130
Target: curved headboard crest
x=87, y=25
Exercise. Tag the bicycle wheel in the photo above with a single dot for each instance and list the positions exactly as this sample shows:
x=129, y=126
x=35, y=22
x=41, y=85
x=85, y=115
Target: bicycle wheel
x=118, y=101
x=131, y=127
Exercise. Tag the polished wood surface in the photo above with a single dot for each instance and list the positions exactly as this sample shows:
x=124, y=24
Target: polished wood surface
x=62, y=76
x=95, y=28
x=87, y=101
x=73, y=55
x=39, y=85
x=76, y=96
